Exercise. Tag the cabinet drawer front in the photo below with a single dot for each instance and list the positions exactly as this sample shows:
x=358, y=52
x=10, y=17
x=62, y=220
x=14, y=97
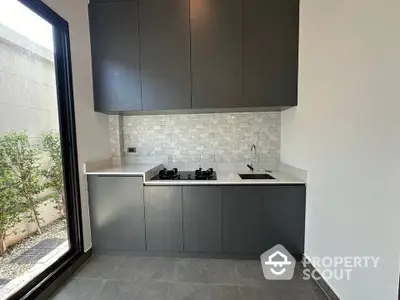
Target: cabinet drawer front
x=117, y=213
x=242, y=220
x=164, y=218
x=202, y=219
x=284, y=217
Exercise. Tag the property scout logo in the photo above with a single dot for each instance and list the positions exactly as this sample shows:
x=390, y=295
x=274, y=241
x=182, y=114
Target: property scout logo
x=278, y=264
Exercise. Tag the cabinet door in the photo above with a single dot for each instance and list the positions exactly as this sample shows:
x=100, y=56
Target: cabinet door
x=202, y=219
x=164, y=218
x=242, y=220
x=270, y=59
x=116, y=213
x=284, y=217
x=216, y=44
x=165, y=54
x=115, y=56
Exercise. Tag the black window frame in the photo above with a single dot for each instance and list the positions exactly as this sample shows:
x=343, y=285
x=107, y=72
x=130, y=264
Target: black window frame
x=66, y=114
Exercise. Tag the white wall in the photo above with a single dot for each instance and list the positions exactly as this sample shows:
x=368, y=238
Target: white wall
x=346, y=133
x=92, y=128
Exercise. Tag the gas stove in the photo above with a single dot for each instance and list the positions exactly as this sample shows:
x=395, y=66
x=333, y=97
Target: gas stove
x=175, y=174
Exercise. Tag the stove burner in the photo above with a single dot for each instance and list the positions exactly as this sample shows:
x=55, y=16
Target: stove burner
x=207, y=174
x=169, y=174
x=174, y=174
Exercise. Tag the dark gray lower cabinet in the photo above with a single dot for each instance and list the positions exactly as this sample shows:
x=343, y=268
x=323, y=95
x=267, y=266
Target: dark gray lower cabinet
x=284, y=217
x=164, y=218
x=202, y=219
x=116, y=213
x=231, y=220
x=242, y=219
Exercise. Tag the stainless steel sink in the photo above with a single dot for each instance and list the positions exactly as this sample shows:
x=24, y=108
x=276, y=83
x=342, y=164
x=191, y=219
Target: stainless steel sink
x=256, y=176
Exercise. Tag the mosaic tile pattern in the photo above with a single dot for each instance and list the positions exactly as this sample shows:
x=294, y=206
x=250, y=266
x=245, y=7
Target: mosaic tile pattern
x=116, y=139
x=196, y=138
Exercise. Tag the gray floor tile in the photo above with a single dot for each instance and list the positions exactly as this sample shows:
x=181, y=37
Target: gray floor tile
x=80, y=289
x=221, y=271
x=224, y=292
x=142, y=278
x=207, y=271
x=191, y=271
x=102, y=266
x=187, y=291
x=115, y=289
x=146, y=269
x=299, y=281
x=249, y=272
x=128, y=290
x=268, y=293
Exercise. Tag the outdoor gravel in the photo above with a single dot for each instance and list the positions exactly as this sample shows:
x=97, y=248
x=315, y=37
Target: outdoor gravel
x=10, y=270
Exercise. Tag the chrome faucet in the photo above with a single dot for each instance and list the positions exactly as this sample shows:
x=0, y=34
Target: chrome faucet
x=253, y=150
x=253, y=147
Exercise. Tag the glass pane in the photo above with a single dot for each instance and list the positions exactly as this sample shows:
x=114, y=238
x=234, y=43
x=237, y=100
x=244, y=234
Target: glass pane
x=33, y=230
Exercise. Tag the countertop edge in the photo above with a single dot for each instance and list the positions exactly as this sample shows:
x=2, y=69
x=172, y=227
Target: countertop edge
x=271, y=182
x=148, y=171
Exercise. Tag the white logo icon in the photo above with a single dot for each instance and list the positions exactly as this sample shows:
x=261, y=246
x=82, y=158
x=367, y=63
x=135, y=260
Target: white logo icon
x=277, y=264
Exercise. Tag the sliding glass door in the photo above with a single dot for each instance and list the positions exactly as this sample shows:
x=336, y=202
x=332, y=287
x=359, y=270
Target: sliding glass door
x=39, y=199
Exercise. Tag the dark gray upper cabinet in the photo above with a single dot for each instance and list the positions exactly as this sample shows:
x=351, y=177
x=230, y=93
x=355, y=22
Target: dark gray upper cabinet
x=270, y=46
x=116, y=213
x=156, y=55
x=216, y=44
x=115, y=56
x=164, y=218
x=284, y=217
x=165, y=54
x=202, y=219
x=242, y=220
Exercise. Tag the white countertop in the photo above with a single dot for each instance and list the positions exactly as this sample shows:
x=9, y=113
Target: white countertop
x=232, y=177
x=227, y=174
x=125, y=169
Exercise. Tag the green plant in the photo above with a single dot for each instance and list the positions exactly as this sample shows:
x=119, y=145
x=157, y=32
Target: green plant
x=10, y=204
x=21, y=156
x=54, y=174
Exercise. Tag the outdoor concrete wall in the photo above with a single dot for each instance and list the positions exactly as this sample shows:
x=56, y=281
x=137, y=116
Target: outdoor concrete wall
x=28, y=98
x=47, y=212
x=28, y=101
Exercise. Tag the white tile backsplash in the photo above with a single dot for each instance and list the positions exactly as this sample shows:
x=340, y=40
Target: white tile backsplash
x=197, y=138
